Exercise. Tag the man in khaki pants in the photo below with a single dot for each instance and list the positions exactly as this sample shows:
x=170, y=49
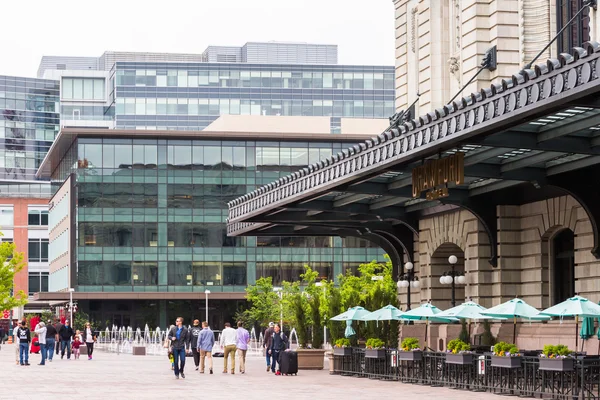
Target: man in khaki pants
x=206, y=341
x=228, y=341
x=243, y=338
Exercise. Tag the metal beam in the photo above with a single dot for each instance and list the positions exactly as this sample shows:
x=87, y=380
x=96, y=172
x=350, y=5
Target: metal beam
x=577, y=164
x=566, y=128
x=388, y=202
x=531, y=160
x=303, y=216
x=350, y=199
x=520, y=140
x=365, y=209
x=477, y=191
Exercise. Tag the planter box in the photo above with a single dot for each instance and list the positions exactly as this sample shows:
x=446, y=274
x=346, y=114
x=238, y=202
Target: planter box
x=374, y=353
x=556, y=364
x=311, y=359
x=138, y=351
x=461, y=359
x=506, y=362
x=342, y=351
x=410, y=355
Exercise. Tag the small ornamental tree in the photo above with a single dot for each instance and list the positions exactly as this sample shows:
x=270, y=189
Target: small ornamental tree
x=264, y=303
x=11, y=262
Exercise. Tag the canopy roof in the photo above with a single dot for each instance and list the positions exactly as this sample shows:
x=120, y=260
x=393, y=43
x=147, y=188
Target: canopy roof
x=531, y=137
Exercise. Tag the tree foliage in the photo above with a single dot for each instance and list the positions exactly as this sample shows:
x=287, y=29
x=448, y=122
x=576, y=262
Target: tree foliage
x=11, y=262
x=264, y=303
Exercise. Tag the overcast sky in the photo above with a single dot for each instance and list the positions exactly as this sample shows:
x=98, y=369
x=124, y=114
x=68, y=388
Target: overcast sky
x=362, y=29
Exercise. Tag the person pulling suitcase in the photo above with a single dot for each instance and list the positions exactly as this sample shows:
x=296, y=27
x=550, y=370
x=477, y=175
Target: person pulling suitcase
x=278, y=345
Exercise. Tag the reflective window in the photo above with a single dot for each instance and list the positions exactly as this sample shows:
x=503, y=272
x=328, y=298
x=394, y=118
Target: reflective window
x=37, y=250
x=83, y=89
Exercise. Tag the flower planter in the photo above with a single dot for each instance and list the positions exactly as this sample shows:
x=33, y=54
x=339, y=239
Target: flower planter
x=556, y=364
x=410, y=355
x=374, y=353
x=342, y=351
x=506, y=362
x=461, y=359
x=311, y=359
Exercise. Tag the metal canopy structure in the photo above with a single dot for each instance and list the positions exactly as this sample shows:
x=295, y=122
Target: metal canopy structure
x=528, y=138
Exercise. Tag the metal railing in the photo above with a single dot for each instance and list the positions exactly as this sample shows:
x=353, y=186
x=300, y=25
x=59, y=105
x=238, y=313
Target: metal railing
x=479, y=374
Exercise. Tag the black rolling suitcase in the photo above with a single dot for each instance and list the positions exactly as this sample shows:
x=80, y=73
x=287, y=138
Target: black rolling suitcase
x=288, y=363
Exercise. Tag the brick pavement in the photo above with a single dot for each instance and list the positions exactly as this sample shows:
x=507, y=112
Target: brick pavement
x=121, y=377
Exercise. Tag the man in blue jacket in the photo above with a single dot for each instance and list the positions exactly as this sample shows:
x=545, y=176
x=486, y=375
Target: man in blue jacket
x=206, y=341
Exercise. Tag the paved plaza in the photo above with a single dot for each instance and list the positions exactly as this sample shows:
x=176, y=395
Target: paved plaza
x=150, y=377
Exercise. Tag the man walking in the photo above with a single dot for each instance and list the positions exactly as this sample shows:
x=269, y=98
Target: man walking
x=243, y=338
x=41, y=331
x=24, y=336
x=65, y=333
x=179, y=337
x=228, y=342
x=57, y=326
x=194, y=333
x=50, y=340
x=278, y=345
x=268, y=338
x=206, y=341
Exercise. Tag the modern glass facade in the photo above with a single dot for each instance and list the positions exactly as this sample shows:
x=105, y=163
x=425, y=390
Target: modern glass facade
x=186, y=96
x=29, y=121
x=151, y=215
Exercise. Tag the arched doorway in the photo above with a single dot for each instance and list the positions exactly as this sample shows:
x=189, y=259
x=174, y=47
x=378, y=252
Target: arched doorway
x=563, y=266
x=441, y=294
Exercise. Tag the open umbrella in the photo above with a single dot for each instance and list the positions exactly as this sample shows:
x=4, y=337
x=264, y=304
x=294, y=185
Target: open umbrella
x=575, y=306
x=387, y=313
x=427, y=312
x=468, y=310
x=352, y=314
x=515, y=308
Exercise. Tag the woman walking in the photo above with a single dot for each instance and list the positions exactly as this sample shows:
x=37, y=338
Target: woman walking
x=89, y=339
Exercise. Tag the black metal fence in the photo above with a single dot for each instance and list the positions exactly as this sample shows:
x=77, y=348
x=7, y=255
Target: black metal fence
x=525, y=379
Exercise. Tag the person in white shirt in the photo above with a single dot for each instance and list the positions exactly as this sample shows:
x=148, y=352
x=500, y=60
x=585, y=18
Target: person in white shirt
x=40, y=329
x=228, y=344
x=15, y=341
x=89, y=338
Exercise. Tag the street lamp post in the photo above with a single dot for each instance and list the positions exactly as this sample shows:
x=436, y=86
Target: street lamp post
x=71, y=290
x=206, y=293
x=279, y=291
x=453, y=277
x=408, y=280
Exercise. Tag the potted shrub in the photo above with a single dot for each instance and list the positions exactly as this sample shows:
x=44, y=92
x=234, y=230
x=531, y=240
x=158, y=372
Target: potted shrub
x=374, y=348
x=506, y=355
x=410, y=350
x=556, y=358
x=459, y=352
x=342, y=347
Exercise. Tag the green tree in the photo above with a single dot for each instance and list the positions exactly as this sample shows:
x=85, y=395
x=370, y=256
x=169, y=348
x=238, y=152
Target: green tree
x=11, y=262
x=331, y=305
x=79, y=319
x=314, y=292
x=264, y=303
x=296, y=309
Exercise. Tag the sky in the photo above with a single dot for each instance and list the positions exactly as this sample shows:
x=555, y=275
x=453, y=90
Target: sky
x=362, y=29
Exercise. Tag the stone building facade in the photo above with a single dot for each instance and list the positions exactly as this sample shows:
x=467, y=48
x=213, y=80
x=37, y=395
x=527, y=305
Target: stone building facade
x=543, y=247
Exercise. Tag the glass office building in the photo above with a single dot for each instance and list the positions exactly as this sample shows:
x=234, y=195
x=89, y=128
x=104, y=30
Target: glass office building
x=186, y=96
x=29, y=121
x=150, y=217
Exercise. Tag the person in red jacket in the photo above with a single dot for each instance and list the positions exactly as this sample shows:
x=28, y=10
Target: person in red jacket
x=75, y=345
x=35, y=346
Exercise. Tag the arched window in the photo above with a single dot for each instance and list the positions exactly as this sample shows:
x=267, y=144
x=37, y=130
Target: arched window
x=563, y=274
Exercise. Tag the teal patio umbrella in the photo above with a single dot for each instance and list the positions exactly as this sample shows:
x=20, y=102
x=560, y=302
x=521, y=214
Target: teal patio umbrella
x=468, y=310
x=352, y=314
x=587, y=328
x=515, y=308
x=575, y=306
x=427, y=312
x=387, y=313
